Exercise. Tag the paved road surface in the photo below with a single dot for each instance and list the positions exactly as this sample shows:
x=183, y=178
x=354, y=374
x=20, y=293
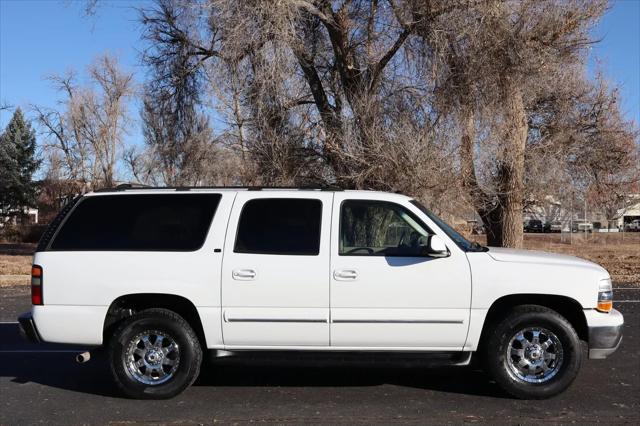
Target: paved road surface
x=44, y=385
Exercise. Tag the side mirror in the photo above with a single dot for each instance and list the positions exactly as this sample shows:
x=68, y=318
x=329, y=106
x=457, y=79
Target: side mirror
x=437, y=247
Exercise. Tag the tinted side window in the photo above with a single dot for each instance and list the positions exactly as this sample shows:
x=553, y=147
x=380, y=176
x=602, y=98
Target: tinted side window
x=280, y=226
x=378, y=228
x=143, y=222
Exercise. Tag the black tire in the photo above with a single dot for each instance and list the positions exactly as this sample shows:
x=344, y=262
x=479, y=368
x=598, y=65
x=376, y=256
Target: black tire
x=496, y=344
x=187, y=358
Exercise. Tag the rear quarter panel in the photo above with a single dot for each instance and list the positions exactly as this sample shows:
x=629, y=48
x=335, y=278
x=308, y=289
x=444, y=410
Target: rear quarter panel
x=81, y=281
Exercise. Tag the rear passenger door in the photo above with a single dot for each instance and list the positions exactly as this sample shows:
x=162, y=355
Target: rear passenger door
x=275, y=281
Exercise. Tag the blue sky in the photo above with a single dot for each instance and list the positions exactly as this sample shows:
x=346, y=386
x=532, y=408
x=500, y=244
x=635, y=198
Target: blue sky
x=42, y=37
x=618, y=52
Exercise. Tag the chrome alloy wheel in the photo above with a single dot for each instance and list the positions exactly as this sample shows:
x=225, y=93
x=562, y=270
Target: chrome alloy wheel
x=534, y=355
x=152, y=357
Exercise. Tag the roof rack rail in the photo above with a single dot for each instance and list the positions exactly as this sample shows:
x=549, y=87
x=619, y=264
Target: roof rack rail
x=123, y=186
x=130, y=186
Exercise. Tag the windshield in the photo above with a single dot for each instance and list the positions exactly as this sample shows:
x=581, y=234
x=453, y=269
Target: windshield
x=460, y=241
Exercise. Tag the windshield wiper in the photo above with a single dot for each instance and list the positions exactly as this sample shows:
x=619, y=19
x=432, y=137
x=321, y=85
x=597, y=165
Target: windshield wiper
x=475, y=246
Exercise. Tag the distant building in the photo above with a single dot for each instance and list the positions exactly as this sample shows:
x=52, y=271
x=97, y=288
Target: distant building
x=630, y=213
x=30, y=217
x=550, y=210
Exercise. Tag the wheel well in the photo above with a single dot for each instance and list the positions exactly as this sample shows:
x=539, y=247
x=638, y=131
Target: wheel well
x=565, y=306
x=125, y=306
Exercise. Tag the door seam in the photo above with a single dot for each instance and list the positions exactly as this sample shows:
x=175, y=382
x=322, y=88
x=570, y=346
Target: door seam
x=329, y=271
x=224, y=247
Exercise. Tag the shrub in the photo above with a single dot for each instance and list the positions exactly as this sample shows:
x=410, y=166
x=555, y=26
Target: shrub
x=22, y=233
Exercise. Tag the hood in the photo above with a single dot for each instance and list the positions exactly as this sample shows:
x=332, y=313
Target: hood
x=501, y=254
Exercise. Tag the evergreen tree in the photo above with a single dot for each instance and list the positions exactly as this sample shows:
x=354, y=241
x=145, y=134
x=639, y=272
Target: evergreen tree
x=18, y=162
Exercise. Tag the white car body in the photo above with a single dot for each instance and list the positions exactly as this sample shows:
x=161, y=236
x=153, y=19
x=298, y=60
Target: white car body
x=323, y=303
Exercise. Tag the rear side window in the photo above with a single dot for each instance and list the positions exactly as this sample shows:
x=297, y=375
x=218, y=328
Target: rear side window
x=280, y=226
x=146, y=222
x=55, y=223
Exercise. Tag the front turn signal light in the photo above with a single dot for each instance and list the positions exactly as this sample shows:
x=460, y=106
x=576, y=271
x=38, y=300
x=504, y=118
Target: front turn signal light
x=605, y=296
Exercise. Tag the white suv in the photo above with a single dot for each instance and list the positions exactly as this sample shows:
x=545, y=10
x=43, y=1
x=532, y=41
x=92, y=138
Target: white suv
x=158, y=277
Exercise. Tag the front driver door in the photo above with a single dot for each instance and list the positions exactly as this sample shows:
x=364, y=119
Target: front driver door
x=385, y=292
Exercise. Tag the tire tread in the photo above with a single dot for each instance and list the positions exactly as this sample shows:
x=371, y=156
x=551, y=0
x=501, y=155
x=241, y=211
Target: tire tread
x=493, y=340
x=158, y=313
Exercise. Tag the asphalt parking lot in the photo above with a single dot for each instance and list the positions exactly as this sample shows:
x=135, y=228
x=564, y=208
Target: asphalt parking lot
x=43, y=384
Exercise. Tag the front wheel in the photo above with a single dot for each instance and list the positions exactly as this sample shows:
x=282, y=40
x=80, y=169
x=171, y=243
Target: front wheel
x=154, y=354
x=533, y=353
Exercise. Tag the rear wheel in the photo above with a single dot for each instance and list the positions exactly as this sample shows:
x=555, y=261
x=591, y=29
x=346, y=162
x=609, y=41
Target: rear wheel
x=533, y=353
x=154, y=354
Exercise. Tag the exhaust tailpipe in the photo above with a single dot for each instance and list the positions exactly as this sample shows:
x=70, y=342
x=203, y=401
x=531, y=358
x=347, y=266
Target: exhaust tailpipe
x=83, y=357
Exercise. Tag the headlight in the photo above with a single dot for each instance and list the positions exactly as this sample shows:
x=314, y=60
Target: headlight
x=605, y=296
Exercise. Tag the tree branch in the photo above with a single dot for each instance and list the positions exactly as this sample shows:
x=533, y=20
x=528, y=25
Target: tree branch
x=376, y=70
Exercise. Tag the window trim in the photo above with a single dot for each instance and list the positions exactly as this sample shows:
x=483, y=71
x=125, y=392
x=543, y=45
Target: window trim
x=261, y=253
x=85, y=198
x=445, y=229
x=62, y=223
x=412, y=214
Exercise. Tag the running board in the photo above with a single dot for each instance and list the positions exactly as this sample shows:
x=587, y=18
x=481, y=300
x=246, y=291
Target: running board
x=355, y=358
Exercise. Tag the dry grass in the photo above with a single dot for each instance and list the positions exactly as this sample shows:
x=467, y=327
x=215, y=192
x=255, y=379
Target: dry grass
x=618, y=253
x=14, y=280
x=15, y=265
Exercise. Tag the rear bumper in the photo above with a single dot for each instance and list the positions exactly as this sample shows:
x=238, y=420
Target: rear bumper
x=605, y=332
x=28, y=328
x=69, y=324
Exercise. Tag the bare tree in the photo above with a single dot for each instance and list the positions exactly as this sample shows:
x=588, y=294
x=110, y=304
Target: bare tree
x=578, y=143
x=310, y=87
x=609, y=155
x=88, y=129
x=176, y=130
x=488, y=58
x=104, y=115
x=394, y=95
x=63, y=130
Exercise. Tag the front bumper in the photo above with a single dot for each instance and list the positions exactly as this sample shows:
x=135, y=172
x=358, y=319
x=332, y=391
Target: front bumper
x=605, y=332
x=28, y=328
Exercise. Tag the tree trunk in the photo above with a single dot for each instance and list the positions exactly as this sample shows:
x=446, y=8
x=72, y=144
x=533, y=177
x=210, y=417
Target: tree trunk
x=489, y=212
x=501, y=215
x=512, y=167
x=467, y=167
x=492, y=220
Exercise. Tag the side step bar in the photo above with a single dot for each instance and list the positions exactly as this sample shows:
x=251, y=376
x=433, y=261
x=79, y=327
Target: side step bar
x=313, y=358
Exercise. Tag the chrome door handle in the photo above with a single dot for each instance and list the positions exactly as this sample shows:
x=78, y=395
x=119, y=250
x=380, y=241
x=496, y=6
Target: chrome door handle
x=345, y=275
x=243, y=274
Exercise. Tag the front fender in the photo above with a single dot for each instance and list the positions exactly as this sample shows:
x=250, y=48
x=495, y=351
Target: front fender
x=494, y=279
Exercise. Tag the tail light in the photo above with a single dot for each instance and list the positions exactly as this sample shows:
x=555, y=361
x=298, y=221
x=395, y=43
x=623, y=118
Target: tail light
x=36, y=285
x=605, y=296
